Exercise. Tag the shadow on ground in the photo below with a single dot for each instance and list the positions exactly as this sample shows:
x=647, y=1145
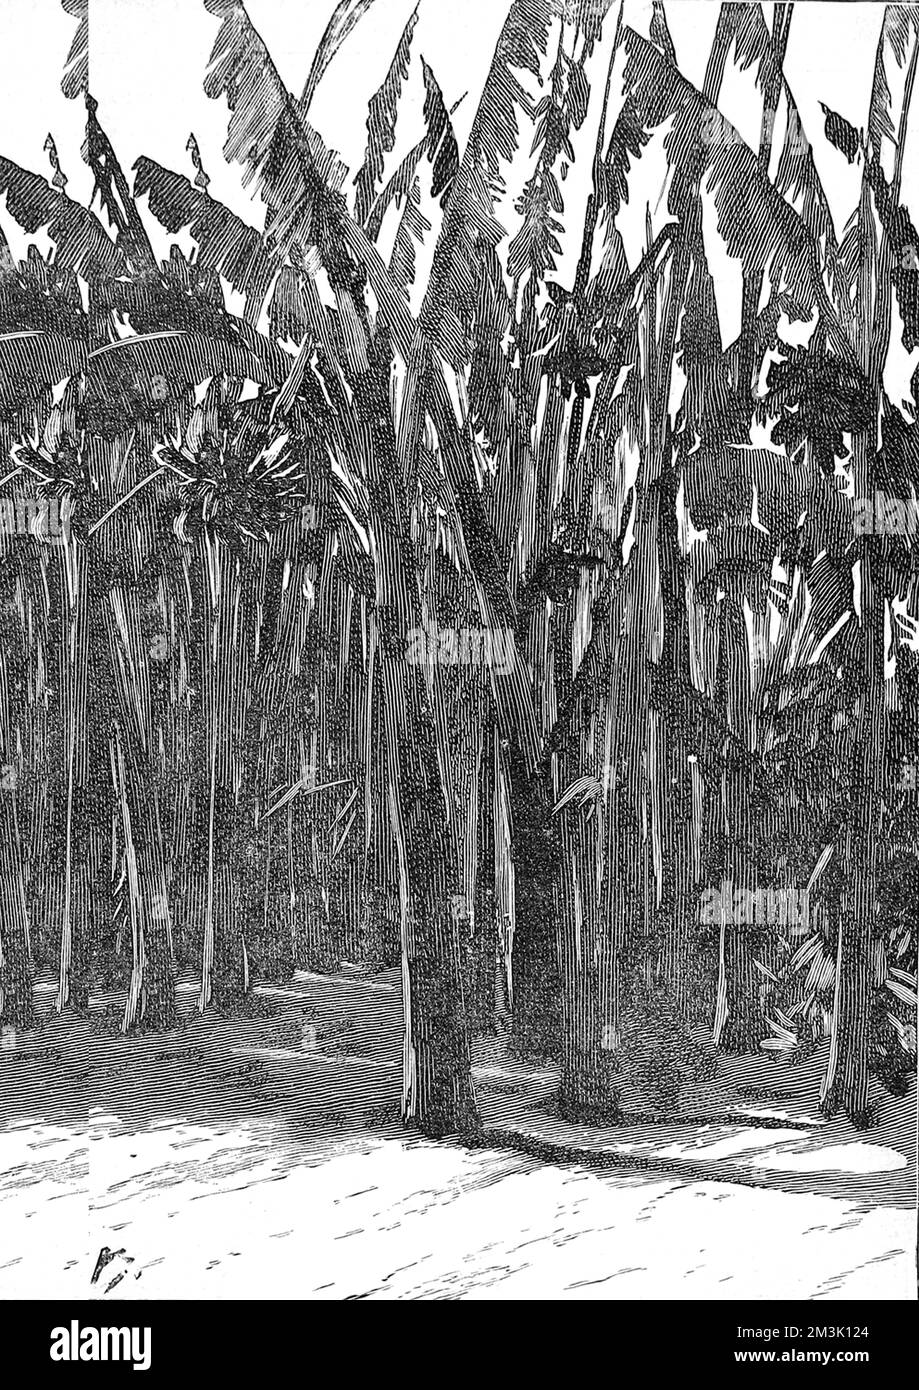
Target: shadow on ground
x=325, y=1053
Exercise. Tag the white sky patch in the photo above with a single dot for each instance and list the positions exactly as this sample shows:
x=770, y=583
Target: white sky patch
x=41, y=30
x=622, y=378
x=819, y=68
x=123, y=326
x=900, y=364
x=235, y=302
x=649, y=176
x=578, y=183
x=20, y=241
x=779, y=597
x=761, y=434
x=843, y=478
x=890, y=645
x=828, y=638
x=324, y=290
x=160, y=239
x=359, y=531
x=726, y=271
x=456, y=399
x=678, y=381
x=906, y=624
x=630, y=455
x=741, y=101
x=797, y=333
x=754, y=512
x=692, y=28
x=688, y=534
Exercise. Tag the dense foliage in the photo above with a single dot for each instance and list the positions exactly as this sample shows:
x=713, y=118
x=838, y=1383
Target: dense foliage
x=695, y=674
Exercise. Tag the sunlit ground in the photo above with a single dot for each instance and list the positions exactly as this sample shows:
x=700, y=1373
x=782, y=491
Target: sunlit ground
x=216, y=1180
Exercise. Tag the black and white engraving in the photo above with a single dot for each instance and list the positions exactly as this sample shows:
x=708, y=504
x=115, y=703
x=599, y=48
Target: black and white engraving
x=459, y=649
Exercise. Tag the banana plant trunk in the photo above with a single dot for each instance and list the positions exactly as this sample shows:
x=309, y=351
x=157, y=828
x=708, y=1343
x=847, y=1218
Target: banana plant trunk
x=738, y=1025
x=151, y=997
x=438, y=1093
x=75, y=950
x=224, y=962
x=16, y=972
x=536, y=1029
x=846, y=1085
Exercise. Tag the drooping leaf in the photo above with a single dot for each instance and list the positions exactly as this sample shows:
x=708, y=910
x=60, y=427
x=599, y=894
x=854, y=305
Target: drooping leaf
x=346, y=16
x=401, y=184
x=297, y=177
x=898, y=35
x=796, y=176
x=785, y=250
x=114, y=193
x=410, y=232
x=75, y=81
x=841, y=134
x=443, y=151
x=287, y=317
x=32, y=362
x=470, y=224
x=80, y=240
x=381, y=123
x=148, y=373
x=225, y=243
x=541, y=206
x=660, y=32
